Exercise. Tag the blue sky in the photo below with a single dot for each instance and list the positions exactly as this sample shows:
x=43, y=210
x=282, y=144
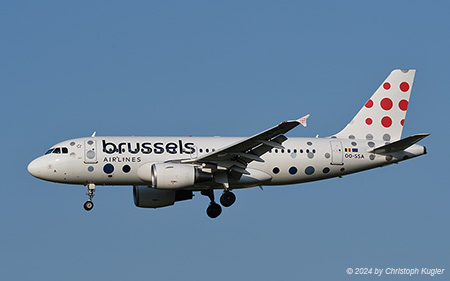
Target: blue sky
x=230, y=68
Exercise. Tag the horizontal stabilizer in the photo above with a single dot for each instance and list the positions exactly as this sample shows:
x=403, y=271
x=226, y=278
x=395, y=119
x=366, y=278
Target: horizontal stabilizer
x=399, y=145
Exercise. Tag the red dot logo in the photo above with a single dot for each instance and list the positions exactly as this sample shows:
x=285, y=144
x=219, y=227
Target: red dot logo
x=403, y=105
x=386, y=104
x=404, y=87
x=386, y=86
x=386, y=121
x=402, y=122
x=369, y=121
x=369, y=103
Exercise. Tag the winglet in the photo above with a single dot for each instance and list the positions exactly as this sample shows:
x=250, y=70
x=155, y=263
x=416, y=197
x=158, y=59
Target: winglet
x=303, y=120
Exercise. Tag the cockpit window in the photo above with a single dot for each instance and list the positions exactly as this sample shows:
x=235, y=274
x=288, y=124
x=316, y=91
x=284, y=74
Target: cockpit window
x=58, y=150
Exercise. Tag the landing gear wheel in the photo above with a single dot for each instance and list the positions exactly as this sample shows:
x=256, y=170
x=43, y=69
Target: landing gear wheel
x=227, y=199
x=88, y=205
x=214, y=210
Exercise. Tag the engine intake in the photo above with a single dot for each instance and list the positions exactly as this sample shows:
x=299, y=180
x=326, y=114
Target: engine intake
x=176, y=176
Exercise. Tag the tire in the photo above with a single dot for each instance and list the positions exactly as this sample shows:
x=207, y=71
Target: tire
x=227, y=199
x=88, y=205
x=214, y=210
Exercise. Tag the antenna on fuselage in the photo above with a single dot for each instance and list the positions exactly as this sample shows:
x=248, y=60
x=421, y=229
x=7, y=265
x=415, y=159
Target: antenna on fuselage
x=93, y=134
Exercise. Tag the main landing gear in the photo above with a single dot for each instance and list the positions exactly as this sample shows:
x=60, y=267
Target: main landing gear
x=227, y=199
x=88, y=205
x=214, y=210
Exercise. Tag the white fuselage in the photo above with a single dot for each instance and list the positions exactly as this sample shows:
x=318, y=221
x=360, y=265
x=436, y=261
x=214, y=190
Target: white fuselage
x=123, y=160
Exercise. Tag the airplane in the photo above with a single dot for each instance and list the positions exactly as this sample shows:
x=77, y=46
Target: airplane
x=165, y=170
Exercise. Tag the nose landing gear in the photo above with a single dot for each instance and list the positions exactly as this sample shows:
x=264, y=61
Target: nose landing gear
x=88, y=205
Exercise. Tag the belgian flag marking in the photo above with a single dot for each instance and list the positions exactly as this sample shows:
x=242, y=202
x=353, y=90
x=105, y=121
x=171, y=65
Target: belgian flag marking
x=351, y=149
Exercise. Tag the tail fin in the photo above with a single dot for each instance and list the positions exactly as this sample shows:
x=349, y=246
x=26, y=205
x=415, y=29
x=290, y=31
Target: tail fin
x=383, y=116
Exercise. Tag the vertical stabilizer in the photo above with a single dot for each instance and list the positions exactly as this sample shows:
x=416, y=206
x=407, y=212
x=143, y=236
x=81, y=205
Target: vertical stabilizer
x=383, y=115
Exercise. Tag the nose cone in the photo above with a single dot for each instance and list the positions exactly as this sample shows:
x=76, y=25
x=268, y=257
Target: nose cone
x=37, y=167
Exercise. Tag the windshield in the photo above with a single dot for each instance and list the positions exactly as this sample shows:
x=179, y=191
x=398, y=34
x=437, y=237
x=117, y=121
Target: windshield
x=57, y=150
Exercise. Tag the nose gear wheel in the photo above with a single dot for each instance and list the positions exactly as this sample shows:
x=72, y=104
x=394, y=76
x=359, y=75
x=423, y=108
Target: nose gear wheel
x=88, y=205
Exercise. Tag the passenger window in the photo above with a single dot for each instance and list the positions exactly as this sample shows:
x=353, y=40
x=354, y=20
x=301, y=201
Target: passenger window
x=57, y=150
x=65, y=150
x=49, y=151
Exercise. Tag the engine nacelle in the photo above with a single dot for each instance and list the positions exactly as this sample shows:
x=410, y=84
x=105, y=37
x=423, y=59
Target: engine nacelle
x=147, y=197
x=176, y=176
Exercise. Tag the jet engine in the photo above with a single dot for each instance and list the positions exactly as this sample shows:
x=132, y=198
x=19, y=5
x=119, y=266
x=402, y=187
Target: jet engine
x=147, y=197
x=176, y=176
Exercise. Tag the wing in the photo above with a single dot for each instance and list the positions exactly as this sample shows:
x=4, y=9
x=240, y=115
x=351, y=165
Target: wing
x=235, y=157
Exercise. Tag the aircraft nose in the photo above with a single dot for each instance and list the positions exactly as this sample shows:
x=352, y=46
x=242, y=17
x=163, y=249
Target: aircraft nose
x=36, y=167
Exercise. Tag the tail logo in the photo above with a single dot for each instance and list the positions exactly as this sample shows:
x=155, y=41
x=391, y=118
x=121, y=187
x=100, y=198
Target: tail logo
x=383, y=115
x=387, y=104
